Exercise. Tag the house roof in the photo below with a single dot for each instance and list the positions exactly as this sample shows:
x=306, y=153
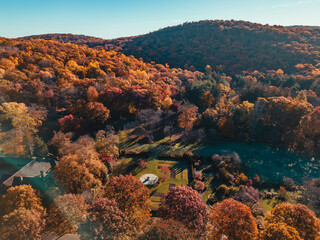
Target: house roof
x=32, y=169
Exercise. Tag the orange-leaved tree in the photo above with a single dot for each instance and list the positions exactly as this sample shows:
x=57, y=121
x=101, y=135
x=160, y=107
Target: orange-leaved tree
x=21, y=214
x=22, y=224
x=234, y=220
x=23, y=196
x=299, y=217
x=166, y=229
x=280, y=231
x=131, y=196
x=66, y=214
x=187, y=116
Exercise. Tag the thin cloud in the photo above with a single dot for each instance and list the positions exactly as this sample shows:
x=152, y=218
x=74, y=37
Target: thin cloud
x=295, y=3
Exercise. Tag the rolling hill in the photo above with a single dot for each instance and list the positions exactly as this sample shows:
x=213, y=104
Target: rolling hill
x=227, y=46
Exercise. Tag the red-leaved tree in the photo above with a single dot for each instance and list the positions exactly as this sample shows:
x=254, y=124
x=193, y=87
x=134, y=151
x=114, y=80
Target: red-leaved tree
x=185, y=205
x=70, y=123
x=105, y=221
x=166, y=229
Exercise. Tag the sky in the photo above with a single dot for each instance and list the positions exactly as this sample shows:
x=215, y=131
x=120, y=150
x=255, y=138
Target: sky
x=121, y=18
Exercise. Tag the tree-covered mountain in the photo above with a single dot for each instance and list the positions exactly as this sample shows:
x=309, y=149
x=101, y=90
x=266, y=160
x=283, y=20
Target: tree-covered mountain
x=227, y=46
x=70, y=38
x=304, y=26
x=232, y=46
x=60, y=74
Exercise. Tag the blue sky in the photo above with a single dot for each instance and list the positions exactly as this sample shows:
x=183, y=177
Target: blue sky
x=119, y=18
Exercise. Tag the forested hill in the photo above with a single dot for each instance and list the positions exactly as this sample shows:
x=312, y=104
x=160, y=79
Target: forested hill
x=236, y=46
x=70, y=38
x=228, y=46
x=45, y=72
x=304, y=26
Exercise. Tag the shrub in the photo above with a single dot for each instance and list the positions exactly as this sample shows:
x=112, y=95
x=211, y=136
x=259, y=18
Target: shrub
x=222, y=191
x=247, y=195
x=143, y=164
x=199, y=186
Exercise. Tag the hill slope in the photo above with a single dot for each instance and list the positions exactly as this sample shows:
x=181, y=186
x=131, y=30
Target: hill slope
x=230, y=46
x=54, y=73
x=237, y=46
x=69, y=38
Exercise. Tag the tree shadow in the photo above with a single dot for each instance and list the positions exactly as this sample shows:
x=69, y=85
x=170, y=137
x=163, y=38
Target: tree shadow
x=179, y=166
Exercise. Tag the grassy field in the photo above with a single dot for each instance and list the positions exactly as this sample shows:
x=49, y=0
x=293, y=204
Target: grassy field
x=177, y=177
x=179, y=174
x=268, y=204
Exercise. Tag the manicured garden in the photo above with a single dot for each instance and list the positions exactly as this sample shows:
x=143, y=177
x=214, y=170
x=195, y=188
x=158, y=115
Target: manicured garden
x=177, y=176
x=270, y=164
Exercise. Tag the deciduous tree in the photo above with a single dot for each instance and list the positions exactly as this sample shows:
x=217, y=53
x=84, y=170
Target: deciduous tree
x=307, y=133
x=70, y=123
x=233, y=219
x=92, y=94
x=298, y=217
x=187, y=116
x=66, y=214
x=166, y=229
x=131, y=196
x=96, y=111
x=185, y=205
x=280, y=231
x=107, y=143
x=105, y=221
x=22, y=224
x=76, y=175
x=24, y=123
x=23, y=196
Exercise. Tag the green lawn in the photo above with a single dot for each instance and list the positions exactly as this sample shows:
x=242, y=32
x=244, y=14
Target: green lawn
x=130, y=141
x=128, y=165
x=181, y=177
x=268, y=204
x=152, y=167
x=124, y=166
x=209, y=190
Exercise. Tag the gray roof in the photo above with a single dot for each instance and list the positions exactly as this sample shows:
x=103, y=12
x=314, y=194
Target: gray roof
x=32, y=169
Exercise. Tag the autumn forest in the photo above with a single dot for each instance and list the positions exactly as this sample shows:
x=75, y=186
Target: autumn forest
x=204, y=130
